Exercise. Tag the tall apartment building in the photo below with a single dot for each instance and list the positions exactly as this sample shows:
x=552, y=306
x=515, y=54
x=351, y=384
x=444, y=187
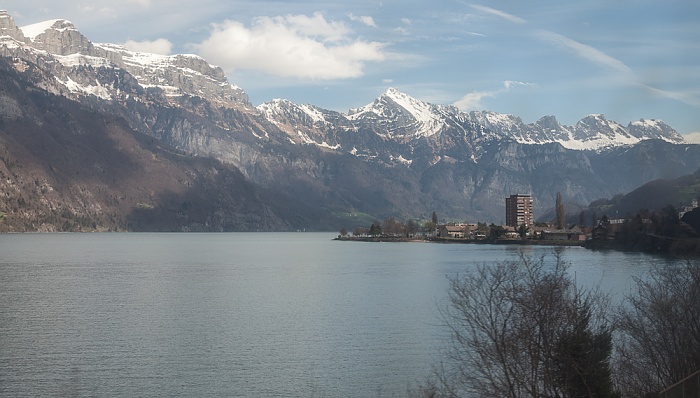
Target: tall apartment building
x=519, y=210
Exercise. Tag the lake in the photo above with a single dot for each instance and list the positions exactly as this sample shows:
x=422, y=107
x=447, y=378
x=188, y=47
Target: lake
x=239, y=314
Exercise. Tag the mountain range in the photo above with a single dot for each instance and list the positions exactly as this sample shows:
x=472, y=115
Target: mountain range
x=197, y=142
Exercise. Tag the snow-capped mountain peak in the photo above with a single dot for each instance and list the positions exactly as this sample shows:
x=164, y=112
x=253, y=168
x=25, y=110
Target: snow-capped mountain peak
x=654, y=129
x=59, y=40
x=10, y=34
x=80, y=68
x=32, y=31
x=421, y=111
x=283, y=108
x=57, y=36
x=408, y=116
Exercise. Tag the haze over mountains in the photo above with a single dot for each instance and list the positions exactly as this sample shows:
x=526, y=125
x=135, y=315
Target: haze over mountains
x=70, y=107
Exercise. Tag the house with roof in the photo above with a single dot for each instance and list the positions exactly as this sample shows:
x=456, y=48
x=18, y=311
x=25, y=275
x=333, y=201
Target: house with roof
x=460, y=231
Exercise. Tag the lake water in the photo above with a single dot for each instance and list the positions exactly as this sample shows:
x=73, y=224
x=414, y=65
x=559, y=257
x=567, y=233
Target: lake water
x=228, y=315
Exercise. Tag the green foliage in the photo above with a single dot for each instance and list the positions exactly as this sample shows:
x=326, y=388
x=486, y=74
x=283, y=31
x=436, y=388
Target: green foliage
x=583, y=358
x=375, y=229
x=495, y=232
x=522, y=231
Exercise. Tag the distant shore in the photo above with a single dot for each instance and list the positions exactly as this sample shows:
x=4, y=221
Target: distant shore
x=436, y=239
x=683, y=248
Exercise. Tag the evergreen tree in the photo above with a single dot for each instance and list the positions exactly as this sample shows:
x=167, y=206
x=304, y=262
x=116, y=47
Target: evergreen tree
x=375, y=229
x=561, y=213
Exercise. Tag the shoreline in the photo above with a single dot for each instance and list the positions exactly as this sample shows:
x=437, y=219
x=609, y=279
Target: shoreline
x=690, y=252
x=432, y=239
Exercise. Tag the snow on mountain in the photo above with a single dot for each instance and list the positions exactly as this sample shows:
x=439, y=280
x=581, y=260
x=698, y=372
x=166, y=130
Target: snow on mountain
x=303, y=124
x=504, y=125
x=594, y=132
x=654, y=129
x=59, y=40
x=9, y=32
x=423, y=112
x=175, y=74
x=299, y=113
x=401, y=115
x=58, y=37
x=34, y=30
x=393, y=116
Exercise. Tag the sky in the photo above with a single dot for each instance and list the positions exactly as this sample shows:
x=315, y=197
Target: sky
x=626, y=59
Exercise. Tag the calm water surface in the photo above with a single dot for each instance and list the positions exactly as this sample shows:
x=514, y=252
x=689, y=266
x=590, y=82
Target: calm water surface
x=226, y=315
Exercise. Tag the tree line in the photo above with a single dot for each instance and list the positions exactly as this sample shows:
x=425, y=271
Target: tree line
x=394, y=227
x=654, y=232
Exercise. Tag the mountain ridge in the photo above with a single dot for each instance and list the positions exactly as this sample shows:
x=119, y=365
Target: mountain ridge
x=397, y=156
x=412, y=117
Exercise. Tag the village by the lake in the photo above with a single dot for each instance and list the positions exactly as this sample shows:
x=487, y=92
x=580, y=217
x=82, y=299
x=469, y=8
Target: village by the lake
x=667, y=232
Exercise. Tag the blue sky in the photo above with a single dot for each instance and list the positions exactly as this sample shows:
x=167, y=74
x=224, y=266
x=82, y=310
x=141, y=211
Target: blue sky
x=625, y=59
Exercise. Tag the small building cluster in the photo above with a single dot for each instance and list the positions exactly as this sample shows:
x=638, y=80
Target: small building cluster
x=520, y=226
x=455, y=230
x=520, y=223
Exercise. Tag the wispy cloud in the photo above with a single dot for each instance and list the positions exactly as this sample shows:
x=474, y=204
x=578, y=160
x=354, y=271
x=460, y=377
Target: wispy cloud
x=511, y=83
x=584, y=51
x=498, y=13
x=143, y=3
x=159, y=46
x=474, y=100
x=364, y=19
x=626, y=75
x=687, y=98
x=693, y=138
x=296, y=46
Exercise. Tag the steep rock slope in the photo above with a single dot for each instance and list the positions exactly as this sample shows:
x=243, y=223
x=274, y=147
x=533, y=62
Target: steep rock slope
x=66, y=168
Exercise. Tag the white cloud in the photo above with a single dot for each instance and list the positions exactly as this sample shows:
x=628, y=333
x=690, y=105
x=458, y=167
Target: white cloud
x=584, y=51
x=510, y=83
x=296, y=46
x=401, y=30
x=159, y=46
x=693, y=138
x=474, y=100
x=367, y=20
x=498, y=13
x=142, y=3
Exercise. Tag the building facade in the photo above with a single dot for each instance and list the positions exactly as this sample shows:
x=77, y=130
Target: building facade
x=519, y=210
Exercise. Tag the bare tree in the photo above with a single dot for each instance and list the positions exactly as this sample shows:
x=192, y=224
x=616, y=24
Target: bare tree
x=523, y=329
x=659, y=330
x=393, y=227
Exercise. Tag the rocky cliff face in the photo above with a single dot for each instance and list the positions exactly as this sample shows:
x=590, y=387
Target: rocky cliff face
x=64, y=167
x=9, y=29
x=59, y=38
